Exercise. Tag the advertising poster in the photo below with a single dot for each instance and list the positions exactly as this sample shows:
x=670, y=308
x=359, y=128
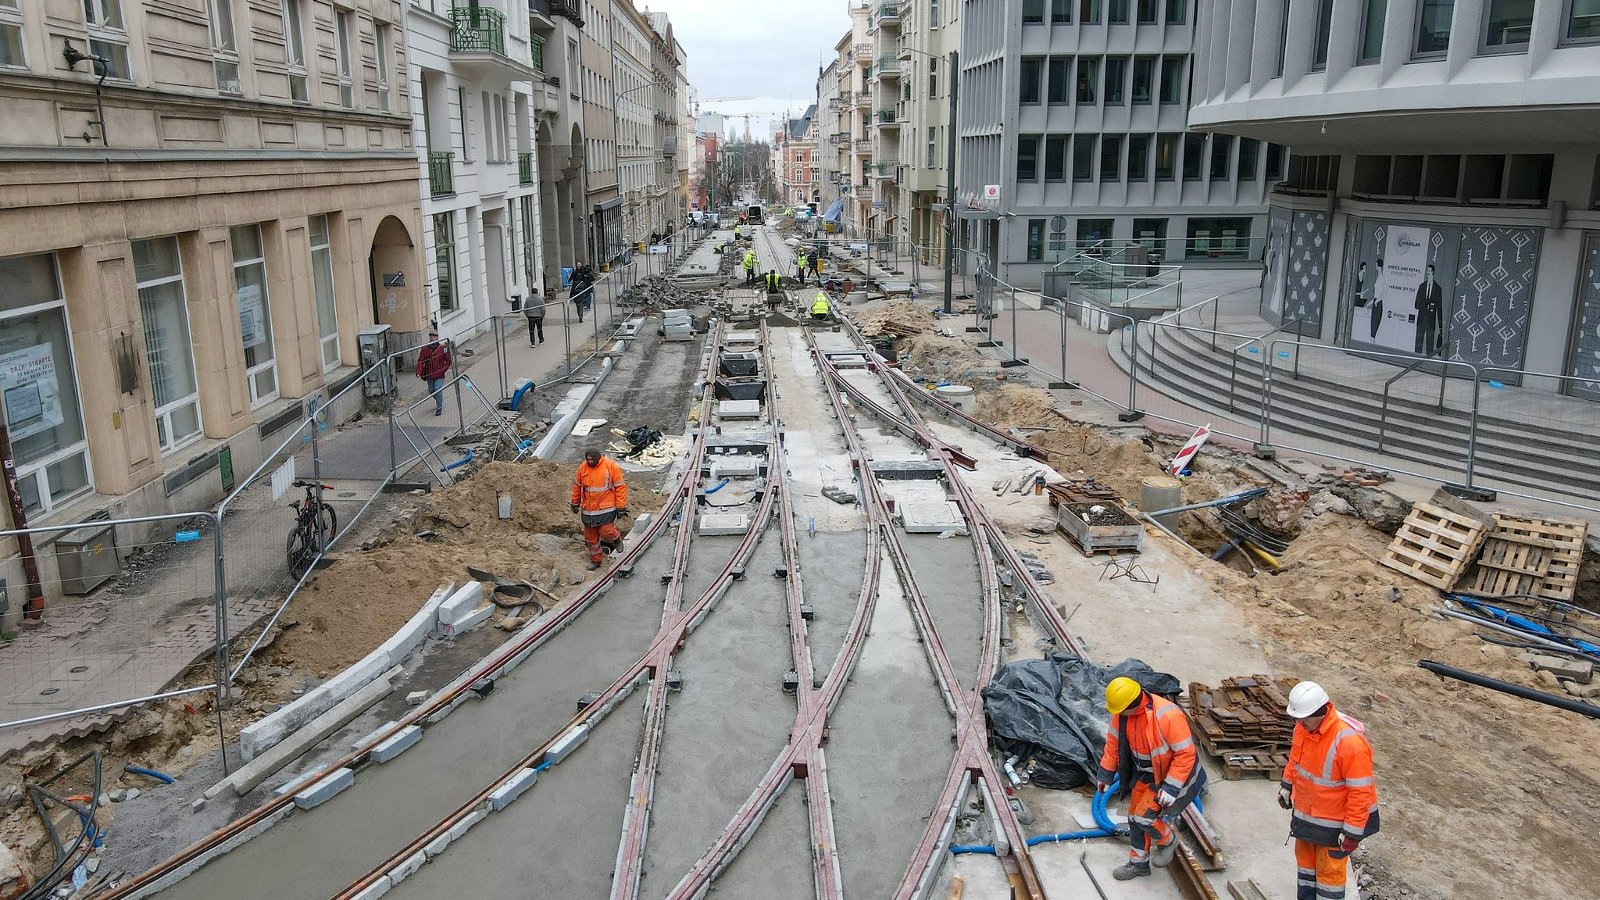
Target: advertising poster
x=1274, y=268
x=32, y=396
x=1400, y=293
x=251, y=326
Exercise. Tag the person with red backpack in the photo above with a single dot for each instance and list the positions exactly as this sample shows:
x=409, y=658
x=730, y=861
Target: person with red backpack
x=433, y=366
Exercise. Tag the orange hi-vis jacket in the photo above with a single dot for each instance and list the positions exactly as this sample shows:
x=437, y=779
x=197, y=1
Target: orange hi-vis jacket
x=1161, y=743
x=599, y=488
x=1330, y=780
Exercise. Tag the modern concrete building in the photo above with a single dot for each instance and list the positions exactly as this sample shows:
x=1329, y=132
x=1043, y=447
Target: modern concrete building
x=201, y=206
x=1444, y=194
x=1075, y=115
x=473, y=71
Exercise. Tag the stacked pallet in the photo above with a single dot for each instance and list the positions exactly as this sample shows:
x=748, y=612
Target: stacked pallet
x=1530, y=557
x=1243, y=724
x=1435, y=545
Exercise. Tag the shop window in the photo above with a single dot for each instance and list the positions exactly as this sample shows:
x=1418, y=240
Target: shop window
x=444, y=257
x=1152, y=235
x=1433, y=27
x=255, y=312
x=1372, y=22
x=322, y=282
x=1219, y=238
x=1035, y=240
x=169, y=354
x=38, y=385
x=1093, y=231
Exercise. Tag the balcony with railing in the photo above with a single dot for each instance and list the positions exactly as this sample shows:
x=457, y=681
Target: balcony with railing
x=888, y=66
x=441, y=173
x=889, y=12
x=887, y=117
x=884, y=168
x=478, y=38
x=536, y=51
x=863, y=54
x=525, y=167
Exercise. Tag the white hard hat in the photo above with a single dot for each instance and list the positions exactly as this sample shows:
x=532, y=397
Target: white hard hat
x=1305, y=699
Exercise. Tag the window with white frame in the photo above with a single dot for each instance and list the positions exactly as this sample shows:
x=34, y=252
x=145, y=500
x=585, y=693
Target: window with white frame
x=12, y=54
x=38, y=384
x=381, y=39
x=322, y=283
x=341, y=40
x=108, y=37
x=224, y=48
x=169, y=354
x=255, y=313
x=444, y=255
x=294, y=50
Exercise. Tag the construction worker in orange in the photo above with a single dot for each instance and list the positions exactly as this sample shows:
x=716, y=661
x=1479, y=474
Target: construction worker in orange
x=1149, y=745
x=1329, y=789
x=600, y=497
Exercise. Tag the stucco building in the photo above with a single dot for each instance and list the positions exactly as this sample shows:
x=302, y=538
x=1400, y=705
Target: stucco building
x=202, y=202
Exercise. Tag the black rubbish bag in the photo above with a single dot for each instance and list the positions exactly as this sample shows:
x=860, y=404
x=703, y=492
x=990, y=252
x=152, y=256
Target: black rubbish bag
x=1052, y=712
x=640, y=439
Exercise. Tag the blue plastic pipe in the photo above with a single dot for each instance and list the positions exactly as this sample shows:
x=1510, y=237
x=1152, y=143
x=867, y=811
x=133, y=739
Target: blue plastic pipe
x=162, y=777
x=717, y=487
x=1097, y=808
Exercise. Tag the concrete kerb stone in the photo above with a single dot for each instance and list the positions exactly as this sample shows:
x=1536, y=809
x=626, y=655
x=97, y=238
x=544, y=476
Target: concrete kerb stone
x=407, y=867
x=259, y=736
x=437, y=845
x=314, y=732
x=376, y=889
x=512, y=788
x=569, y=410
x=203, y=859
x=325, y=789
x=399, y=743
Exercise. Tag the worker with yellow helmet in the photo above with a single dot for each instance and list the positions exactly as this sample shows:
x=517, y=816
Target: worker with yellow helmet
x=1149, y=743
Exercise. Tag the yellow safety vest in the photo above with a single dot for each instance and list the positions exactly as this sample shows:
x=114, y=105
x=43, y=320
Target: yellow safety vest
x=820, y=306
x=801, y=263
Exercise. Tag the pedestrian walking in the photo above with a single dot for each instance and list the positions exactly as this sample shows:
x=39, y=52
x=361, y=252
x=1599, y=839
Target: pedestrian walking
x=433, y=366
x=1329, y=789
x=534, y=310
x=599, y=497
x=582, y=288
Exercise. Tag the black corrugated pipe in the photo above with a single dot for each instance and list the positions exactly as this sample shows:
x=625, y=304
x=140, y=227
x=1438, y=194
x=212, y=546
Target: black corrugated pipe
x=1515, y=690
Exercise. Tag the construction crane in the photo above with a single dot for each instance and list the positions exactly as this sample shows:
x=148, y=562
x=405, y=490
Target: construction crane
x=699, y=100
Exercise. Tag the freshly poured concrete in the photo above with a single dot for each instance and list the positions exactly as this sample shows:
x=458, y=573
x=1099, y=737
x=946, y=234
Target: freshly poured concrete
x=831, y=565
x=725, y=727
x=776, y=864
x=946, y=570
x=888, y=752
x=317, y=853
x=557, y=840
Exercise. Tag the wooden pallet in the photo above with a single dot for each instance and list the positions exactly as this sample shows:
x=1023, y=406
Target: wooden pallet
x=1559, y=543
x=1435, y=545
x=1510, y=566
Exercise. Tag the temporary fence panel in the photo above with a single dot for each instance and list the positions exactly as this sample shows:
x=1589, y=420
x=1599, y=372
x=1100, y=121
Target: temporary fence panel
x=130, y=616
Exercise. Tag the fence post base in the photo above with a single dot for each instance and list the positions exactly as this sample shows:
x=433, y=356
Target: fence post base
x=1478, y=494
x=1062, y=386
x=1013, y=363
x=1132, y=415
x=1264, y=451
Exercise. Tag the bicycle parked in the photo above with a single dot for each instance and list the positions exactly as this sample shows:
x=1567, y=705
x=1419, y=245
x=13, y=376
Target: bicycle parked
x=315, y=526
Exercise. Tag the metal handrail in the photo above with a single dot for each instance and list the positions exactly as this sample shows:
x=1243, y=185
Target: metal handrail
x=1233, y=369
x=1383, y=410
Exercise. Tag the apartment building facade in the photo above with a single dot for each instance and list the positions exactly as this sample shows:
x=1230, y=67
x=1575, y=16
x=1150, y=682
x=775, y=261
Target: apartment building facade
x=202, y=205
x=1445, y=197
x=796, y=161
x=830, y=205
x=1076, y=113
x=560, y=149
x=473, y=73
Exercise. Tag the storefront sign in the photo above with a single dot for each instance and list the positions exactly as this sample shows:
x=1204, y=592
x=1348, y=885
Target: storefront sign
x=32, y=396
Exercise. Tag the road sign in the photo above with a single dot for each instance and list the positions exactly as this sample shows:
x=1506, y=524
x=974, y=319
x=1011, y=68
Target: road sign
x=991, y=192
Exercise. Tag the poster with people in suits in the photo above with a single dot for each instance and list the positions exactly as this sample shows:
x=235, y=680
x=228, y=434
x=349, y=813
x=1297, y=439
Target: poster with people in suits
x=1400, y=297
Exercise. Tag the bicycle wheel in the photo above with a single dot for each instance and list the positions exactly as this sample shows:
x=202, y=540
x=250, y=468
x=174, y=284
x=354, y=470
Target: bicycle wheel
x=300, y=553
x=329, y=520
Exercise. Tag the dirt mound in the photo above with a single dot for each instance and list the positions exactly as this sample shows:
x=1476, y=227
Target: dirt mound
x=898, y=318
x=1018, y=406
x=940, y=358
x=356, y=603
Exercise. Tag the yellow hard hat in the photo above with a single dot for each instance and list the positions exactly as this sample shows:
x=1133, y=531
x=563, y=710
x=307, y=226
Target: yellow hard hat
x=1121, y=694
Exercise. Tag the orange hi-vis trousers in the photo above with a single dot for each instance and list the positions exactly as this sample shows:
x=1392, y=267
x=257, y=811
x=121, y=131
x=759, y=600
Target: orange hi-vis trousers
x=1318, y=876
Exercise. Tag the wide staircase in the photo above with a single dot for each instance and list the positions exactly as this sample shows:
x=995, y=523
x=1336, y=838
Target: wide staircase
x=1555, y=451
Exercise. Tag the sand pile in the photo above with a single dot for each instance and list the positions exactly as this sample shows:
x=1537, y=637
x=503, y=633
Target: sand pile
x=897, y=318
x=357, y=602
x=939, y=358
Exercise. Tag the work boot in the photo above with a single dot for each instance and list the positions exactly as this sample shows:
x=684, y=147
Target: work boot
x=1130, y=871
x=1162, y=854
x=595, y=564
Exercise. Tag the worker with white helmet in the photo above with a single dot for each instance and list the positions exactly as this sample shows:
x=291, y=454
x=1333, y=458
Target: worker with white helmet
x=1329, y=788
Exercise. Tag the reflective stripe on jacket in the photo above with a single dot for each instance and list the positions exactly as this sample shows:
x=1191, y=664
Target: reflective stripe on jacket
x=1161, y=744
x=1330, y=779
x=820, y=307
x=599, y=488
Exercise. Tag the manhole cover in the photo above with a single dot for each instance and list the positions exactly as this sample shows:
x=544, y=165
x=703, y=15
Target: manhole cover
x=347, y=493
x=79, y=669
x=48, y=691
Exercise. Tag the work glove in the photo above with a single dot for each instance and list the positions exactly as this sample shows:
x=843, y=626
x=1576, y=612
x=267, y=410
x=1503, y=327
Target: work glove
x=1347, y=845
x=1165, y=798
x=1285, y=800
x=574, y=506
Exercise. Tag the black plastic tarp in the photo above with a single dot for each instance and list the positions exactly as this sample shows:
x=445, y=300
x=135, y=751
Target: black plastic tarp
x=1052, y=712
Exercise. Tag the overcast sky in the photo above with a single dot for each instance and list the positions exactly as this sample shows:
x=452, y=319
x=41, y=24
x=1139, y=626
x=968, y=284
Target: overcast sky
x=764, y=49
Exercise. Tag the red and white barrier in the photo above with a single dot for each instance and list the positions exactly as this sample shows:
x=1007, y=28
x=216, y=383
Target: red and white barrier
x=1181, y=461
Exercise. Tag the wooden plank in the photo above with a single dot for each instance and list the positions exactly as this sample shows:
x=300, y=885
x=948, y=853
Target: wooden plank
x=1246, y=890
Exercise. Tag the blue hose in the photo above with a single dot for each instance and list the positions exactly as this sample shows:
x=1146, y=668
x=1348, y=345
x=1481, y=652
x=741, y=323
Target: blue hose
x=972, y=848
x=460, y=462
x=717, y=487
x=516, y=399
x=1097, y=808
x=162, y=777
